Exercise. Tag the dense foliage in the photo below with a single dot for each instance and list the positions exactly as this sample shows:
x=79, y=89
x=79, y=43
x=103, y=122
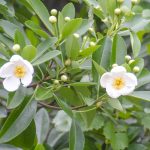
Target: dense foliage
x=66, y=107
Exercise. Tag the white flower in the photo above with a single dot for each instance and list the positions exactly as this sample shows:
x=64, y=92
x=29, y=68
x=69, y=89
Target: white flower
x=15, y=72
x=118, y=82
x=62, y=121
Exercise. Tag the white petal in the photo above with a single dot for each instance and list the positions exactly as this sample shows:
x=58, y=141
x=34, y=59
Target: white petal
x=113, y=93
x=118, y=69
x=130, y=79
x=105, y=79
x=127, y=90
x=27, y=79
x=6, y=70
x=15, y=58
x=28, y=66
x=11, y=84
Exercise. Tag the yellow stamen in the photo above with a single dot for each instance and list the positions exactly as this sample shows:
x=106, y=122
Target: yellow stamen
x=19, y=71
x=118, y=83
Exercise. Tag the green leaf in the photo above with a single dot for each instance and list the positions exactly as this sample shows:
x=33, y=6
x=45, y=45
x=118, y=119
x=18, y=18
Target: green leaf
x=44, y=46
x=82, y=84
x=61, y=22
x=47, y=56
x=135, y=43
x=140, y=95
x=99, y=68
x=8, y=147
x=42, y=12
x=135, y=146
x=115, y=103
x=68, y=11
x=88, y=51
x=43, y=93
x=3, y=112
x=72, y=47
x=19, y=39
x=76, y=137
x=26, y=139
x=39, y=147
x=18, y=120
x=70, y=27
x=29, y=52
x=42, y=123
x=36, y=29
x=16, y=98
x=146, y=13
x=119, y=50
x=119, y=141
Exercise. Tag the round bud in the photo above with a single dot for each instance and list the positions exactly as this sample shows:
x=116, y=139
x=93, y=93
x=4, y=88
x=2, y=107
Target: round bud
x=117, y=11
x=68, y=62
x=56, y=81
x=127, y=58
x=134, y=1
x=67, y=19
x=64, y=78
x=136, y=69
x=92, y=44
x=120, y=1
x=76, y=35
x=98, y=104
x=114, y=65
x=16, y=47
x=52, y=19
x=53, y=12
x=91, y=30
x=131, y=61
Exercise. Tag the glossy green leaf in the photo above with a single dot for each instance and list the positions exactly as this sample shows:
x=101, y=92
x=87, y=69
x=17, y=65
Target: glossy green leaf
x=39, y=147
x=18, y=120
x=47, y=56
x=42, y=12
x=119, y=50
x=42, y=123
x=115, y=103
x=29, y=52
x=76, y=137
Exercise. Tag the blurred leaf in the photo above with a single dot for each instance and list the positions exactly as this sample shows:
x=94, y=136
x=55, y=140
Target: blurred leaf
x=39, y=147
x=135, y=146
x=42, y=123
x=8, y=147
x=42, y=12
x=119, y=50
x=76, y=136
x=47, y=56
x=135, y=43
x=18, y=120
x=115, y=103
x=3, y=112
x=68, y=11
x=29, y=52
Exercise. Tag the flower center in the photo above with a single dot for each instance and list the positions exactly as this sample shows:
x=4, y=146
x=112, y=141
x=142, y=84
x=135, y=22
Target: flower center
x=118, y=83
x=19, y=71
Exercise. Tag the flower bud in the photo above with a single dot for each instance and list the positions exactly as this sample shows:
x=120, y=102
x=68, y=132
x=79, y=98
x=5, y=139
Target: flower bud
x=53, y=12
x=76, y=35
x=67, y=19
x=131, y=61
x=91, y=30
x=134, y=1
x=52, y=19
x=120, y=1
x=56, y=82
x=92, y=44
x=16, y=47
x=68, y=62
x=98, y=104
x=64, y=78
x=117, y=11
x=136, y=69
x=127, y=58
x=114, y=65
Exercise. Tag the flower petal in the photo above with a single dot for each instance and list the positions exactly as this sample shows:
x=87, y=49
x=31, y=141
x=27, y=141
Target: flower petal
x=118, y=69
x=105, y=79
x=29, y=66
x=130, y=79
x=6, y=70
x=127, y=90
x=11, y=84
x=113, y=93
x=15, y=58
x=27, y=79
